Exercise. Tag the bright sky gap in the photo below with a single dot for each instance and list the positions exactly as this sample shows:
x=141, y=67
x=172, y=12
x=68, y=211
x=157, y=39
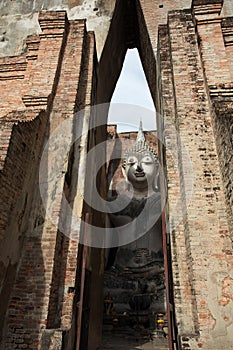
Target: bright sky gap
x=131, y=100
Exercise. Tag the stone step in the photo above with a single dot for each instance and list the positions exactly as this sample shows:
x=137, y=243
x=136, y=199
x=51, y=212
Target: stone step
x=122, y=342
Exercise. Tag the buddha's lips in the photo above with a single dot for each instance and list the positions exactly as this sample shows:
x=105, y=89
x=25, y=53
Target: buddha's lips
x=140, y=174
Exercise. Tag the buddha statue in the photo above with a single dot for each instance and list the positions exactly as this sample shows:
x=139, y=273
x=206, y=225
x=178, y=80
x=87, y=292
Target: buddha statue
x=142, y=259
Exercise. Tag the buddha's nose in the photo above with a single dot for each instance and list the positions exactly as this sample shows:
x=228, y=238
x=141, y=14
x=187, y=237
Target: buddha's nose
x=139, y=168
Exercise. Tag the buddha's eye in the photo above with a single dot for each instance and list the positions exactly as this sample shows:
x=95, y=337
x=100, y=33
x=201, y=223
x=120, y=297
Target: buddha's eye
x=131, y=160
x=147, y=159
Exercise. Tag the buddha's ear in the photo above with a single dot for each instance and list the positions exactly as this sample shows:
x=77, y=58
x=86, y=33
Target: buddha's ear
x=156, y=182
x=123, y=171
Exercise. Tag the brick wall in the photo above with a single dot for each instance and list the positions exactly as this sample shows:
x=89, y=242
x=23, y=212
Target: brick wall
x=17, y=183
x=201, y=246
x=169, y=158
x=12, y=73
x=227, y=32
x=58, y=78
x=224, y=130
x=211, y=41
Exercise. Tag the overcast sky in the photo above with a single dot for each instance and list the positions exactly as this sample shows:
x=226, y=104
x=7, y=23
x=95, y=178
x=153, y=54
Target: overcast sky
x=132, y=99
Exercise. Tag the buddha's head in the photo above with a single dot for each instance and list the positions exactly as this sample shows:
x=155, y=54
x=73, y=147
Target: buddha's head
x=141, y=165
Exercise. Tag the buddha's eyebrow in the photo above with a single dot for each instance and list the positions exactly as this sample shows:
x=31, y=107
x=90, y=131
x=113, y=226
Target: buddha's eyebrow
x=146, y=155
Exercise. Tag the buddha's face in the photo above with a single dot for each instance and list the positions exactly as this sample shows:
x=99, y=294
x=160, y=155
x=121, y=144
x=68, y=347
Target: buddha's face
x=141, y=170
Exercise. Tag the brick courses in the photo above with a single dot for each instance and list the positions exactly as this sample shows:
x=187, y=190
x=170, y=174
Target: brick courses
x=57, y=77
x=202, y=241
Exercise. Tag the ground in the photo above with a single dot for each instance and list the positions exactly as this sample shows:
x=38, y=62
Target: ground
x=124, y=340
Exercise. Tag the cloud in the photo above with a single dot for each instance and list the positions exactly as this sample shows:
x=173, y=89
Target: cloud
x=127, y=117
x=131, y=99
